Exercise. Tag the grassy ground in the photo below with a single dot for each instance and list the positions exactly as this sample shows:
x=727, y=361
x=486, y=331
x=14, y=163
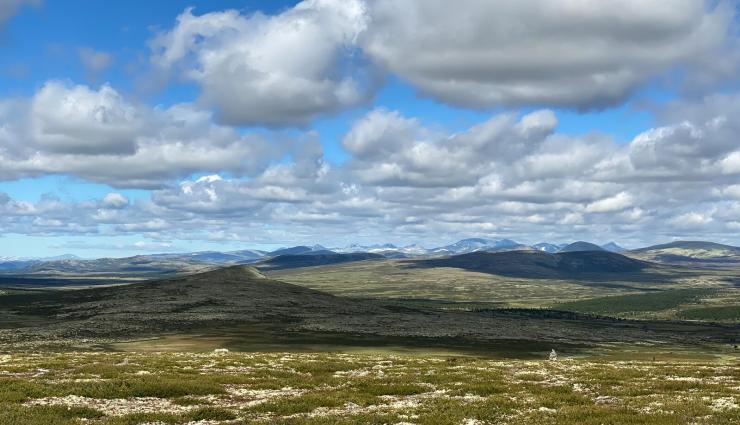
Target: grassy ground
x=291, y=388
x=638, y=303
x=728, y=313
x=661, y=294
x=265, y=338
x=394, y=279
x=693, y=304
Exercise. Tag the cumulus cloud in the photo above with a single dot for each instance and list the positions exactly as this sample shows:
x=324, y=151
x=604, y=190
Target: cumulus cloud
x=79, y=120
x=379, y=133
x=276, y=70
x=701, y=147
x=323, y=56
x=692, y=220
x=392, y=150
x=509, y=175
x=582, y=54
x=731, y=163
x=114, y=201
x=138, y=246
x=618, y=202
x=99, y=135
x=307, y=179
x=665, y=150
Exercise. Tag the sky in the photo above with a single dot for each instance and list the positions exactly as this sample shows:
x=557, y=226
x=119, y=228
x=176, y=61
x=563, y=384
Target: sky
x=138, y=127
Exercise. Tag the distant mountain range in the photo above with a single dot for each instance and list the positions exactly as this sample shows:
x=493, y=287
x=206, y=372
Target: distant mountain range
x=21, y=263
x=613, y=247
x=299, y=250
x=464, y=246
x=547, y=247
x=479, y=244
x=54, y=258
x=674, y=252
x=314, y=259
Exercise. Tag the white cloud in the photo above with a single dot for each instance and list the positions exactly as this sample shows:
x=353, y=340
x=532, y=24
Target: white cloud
x=618, y=202
x=152, y=246
x=692, y=220
x=732, y=191
x=379, y=133
x=507, y=176
x=114, y=201
x=324, y=56
x=79, y=120
x=392, y=150
x=582, y=54
x=284, y=69
x=153, y=225
x=731, y=163
x=101, y=136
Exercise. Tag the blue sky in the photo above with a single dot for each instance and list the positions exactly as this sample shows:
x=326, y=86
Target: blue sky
x=599, y=107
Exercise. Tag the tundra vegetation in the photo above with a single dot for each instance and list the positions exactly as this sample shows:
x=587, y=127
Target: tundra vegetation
x=353, y=388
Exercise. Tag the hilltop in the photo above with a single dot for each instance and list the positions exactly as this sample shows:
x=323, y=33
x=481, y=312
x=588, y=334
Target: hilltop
x=236, y=294
x=581, y=246
x=689, y=252
x=300, y=250
x=539, y=264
